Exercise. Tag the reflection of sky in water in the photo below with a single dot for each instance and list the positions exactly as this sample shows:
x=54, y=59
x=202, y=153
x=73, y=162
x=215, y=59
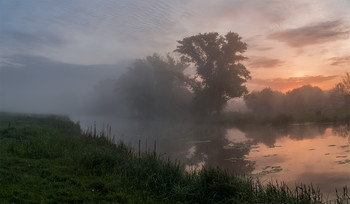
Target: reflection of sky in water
x=320, y=160
x=297, y=154
x=234, y=135
x=317, y=154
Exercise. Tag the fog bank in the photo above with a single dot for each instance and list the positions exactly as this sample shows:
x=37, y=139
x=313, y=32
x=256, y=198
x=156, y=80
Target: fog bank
x=32, y=84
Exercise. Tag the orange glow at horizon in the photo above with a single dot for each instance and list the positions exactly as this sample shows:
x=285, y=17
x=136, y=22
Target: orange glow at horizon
x=287, y=84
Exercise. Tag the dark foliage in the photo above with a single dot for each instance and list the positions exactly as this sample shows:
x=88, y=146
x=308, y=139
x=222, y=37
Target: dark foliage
x=220, y=75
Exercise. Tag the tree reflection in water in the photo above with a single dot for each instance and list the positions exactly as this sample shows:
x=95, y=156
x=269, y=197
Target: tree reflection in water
x=220, y=152
x=342, y=131
x=203, y=145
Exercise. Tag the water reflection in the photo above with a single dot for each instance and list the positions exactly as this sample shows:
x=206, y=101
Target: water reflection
x=220, y=151
x=317, y=154
x=342, y=130
x=296, y=153
x=269, y=134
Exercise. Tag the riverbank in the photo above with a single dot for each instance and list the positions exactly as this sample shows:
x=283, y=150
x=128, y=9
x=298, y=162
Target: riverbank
x=49, y=159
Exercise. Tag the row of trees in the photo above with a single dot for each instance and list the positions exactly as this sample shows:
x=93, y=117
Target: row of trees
x=157, y=86
x=300, y=100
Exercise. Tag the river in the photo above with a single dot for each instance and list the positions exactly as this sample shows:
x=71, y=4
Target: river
x=295, y=154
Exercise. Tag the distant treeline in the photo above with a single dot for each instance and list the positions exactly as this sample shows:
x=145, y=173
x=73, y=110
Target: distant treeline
x=302, y=102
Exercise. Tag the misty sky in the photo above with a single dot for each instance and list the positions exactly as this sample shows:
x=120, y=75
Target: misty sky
x=290, y=42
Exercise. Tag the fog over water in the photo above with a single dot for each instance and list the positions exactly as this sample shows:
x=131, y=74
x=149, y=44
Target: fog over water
x=130, y=65
x=299, y=153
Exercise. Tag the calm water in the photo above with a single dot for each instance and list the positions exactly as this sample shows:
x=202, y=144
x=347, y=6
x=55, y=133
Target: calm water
x=309, y=153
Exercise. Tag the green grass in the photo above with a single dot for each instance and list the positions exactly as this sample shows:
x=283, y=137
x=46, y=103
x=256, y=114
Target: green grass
x=47, y=159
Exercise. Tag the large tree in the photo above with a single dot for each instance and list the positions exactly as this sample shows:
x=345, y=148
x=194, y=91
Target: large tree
x=219, y=74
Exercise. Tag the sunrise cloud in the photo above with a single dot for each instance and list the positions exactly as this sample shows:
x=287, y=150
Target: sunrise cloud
x=340, y=61
x=312, y=34
x=264, y=62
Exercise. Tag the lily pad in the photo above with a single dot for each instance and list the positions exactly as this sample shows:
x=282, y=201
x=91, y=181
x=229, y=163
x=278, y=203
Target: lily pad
x=254, y=147
x=347, y=161
x=235, y=159
x=341, y=156
x=199, y=141
x=273, y=146
x=270, y=170
x=266, y=167
x=239, y=146
x=270, y=155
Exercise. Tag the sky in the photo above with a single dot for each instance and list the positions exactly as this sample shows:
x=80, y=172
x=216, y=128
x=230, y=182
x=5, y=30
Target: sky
x=290, y=42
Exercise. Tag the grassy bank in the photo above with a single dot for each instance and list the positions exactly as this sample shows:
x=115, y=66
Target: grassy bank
x=48, y=159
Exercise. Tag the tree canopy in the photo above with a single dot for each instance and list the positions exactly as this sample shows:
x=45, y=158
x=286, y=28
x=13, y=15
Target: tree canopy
x=219, y=74
x=265, y=101
x=299, y=100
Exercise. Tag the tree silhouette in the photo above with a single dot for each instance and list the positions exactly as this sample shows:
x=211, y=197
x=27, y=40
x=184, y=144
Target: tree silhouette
x=265, y=101
x=305, y=98
x=340, y=93
x=336, y=95
x=219, y=73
